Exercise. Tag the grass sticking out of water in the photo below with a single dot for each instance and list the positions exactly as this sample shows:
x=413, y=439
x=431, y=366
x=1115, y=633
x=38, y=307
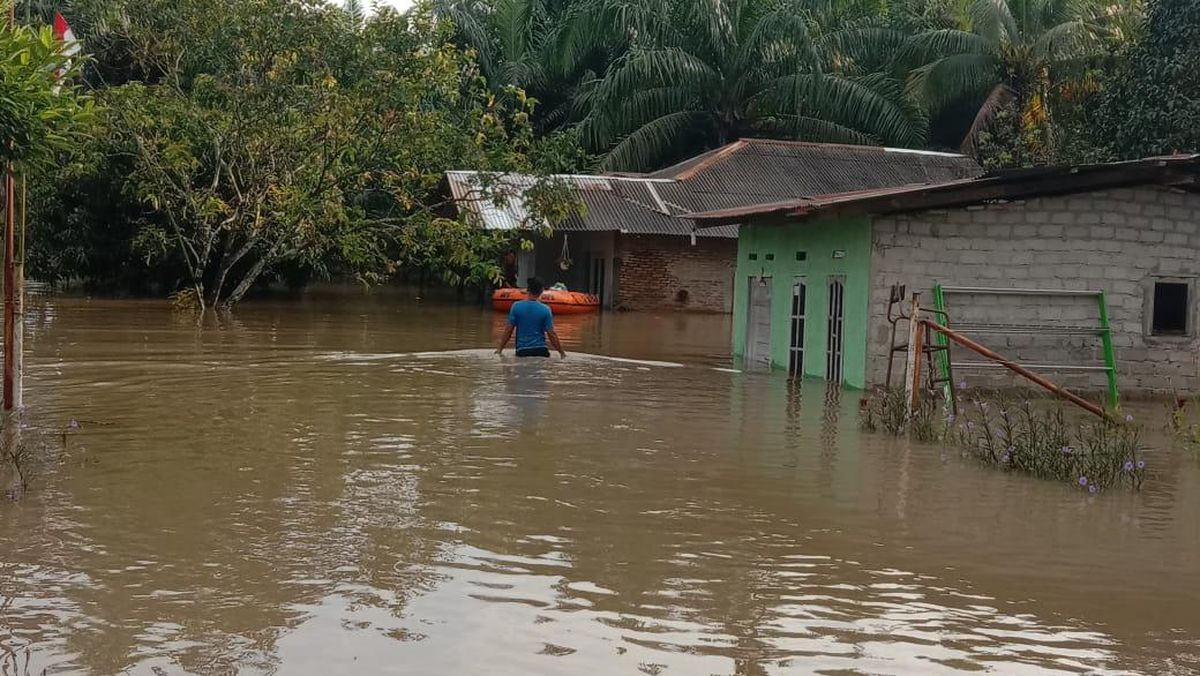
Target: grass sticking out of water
x=1040, y=441
x=1032, y=438
x=887, y=411
x=1181, y=420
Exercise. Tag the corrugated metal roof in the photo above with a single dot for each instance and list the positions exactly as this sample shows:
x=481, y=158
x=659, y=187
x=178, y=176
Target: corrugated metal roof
x=1180, y=171
x=754, y=171
x=629, y=205
x=744, y=173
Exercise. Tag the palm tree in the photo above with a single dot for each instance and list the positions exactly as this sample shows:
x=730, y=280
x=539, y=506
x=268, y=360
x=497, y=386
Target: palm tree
x=545, y=47
x=700, y=73
x=1015, y=53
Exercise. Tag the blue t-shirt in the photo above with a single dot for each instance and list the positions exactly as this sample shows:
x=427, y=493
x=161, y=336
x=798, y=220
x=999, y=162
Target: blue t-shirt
x=532, y=320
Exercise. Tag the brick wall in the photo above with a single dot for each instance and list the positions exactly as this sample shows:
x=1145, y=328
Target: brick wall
x=1118, y=241
x=665, y=272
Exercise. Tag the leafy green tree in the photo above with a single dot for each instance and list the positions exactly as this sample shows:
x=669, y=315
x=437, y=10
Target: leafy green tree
x=279, y=136
x=41, y=110
x=701, y=73
x=1014, y=55
x=1151, y=105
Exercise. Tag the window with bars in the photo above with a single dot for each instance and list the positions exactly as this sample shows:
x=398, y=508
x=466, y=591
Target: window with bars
x=834, y=339
x=796, y=345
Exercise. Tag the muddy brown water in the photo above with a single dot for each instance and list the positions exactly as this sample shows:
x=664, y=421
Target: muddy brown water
x=349, y=484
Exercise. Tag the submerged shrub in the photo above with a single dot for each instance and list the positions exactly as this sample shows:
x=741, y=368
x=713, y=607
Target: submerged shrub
x=1040, y=441
x=887, y=410
x=1032, y=438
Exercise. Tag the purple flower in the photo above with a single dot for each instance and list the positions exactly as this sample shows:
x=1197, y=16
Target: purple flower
x=1141, y=464
x=1129, y=418
x=1128, y=465
x=1067, y=450
x=1004, y=458
x=1083, y=481
x=74, y=424
x=950, y=419
x=962, y=385
x=1093, y=489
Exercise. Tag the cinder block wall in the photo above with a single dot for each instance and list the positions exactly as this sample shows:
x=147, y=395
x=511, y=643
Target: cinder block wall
x=653, y=270
x=1118, y=241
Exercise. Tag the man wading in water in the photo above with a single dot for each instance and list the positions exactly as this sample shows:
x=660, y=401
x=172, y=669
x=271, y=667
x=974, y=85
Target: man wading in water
x=534, y=323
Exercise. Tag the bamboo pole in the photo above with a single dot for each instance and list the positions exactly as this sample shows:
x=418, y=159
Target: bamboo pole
x=1044, y=383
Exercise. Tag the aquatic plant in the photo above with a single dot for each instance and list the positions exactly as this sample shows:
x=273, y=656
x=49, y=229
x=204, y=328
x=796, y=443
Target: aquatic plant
x=1039, y=440
x=1031, y=437
x=1181, y=420
x=887, y=410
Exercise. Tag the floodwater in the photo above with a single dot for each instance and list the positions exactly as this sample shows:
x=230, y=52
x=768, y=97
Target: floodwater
x=349, y=484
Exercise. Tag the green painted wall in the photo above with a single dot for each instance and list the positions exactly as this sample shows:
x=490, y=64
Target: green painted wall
x=774, y=246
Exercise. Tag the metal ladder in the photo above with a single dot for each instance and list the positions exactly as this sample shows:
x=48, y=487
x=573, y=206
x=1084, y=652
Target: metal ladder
x=933, y=346
x=1103, y=330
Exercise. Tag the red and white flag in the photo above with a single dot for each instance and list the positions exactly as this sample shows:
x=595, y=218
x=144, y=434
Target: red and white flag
x=64, y=34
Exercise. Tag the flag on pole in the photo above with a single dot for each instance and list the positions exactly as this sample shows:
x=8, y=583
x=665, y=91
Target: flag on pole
x=64, y=34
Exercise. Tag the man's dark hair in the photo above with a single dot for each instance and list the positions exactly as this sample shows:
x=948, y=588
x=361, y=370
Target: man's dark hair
x=534, y=286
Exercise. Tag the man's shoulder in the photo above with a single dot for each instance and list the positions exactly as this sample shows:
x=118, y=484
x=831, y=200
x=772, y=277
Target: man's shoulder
x=531, y=306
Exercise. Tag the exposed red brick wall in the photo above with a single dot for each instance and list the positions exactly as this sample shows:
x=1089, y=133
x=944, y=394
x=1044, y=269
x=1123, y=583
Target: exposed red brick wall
x=664, y=272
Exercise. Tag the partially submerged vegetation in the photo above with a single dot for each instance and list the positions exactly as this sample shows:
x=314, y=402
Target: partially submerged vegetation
x=1033, y=438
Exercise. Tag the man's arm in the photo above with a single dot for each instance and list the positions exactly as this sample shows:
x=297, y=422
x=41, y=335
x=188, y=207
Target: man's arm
x=508, y=331
x=553, y=337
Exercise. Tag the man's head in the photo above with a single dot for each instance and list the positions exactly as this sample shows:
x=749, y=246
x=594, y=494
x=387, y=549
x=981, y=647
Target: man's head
x=534, y=287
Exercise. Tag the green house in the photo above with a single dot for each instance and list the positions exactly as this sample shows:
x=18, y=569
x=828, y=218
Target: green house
x=1019, y=258
x=800, y=297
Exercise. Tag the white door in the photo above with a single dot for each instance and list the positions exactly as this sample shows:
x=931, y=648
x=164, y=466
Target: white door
x=758, y=323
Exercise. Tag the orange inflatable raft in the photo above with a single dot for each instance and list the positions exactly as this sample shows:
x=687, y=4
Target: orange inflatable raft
x=560, y=302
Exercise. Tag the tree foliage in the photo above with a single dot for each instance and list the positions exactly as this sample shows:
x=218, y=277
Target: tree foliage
x=41, y=110
x=702, y=73
x=279, y=135
x=1151, y=104
x=252, y=140
x=1014, y=57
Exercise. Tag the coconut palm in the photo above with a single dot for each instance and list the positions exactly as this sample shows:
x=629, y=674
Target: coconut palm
x=1012, y=53
x=700, y=73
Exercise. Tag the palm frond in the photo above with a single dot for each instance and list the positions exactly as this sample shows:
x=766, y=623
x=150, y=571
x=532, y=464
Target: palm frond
x=860, y=104
x=1065, y=40
x=802, y=128
x=780, y=26
x=923, y=48
x=953, y=78
x=993, y=19
x=1000, y=95
x=650, y=142
x=655, y=68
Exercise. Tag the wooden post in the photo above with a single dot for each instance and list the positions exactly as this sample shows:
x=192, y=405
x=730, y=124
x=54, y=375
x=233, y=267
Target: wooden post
x=10, y=286
x=912, y=380
x=10, y=282
x=19, y=323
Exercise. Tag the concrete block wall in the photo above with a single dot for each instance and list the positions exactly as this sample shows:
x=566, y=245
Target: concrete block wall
x=1118, y=241
x=668, y=272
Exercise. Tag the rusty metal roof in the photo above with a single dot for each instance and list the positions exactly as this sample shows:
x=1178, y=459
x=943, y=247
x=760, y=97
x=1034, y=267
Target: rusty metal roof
x=753, y=171
x=741, y=174
x=1181, y=171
